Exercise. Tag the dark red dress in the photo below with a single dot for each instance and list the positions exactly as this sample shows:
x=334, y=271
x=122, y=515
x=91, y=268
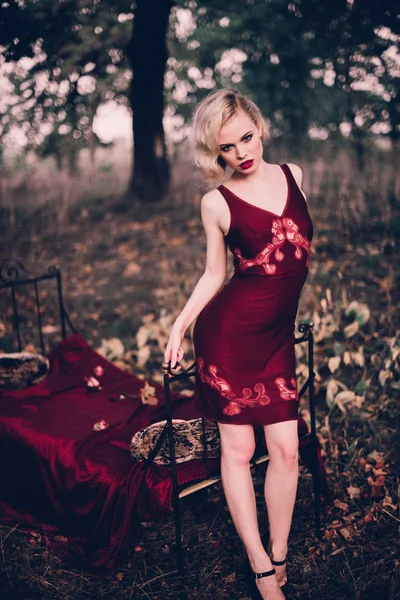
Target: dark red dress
x=244, y=337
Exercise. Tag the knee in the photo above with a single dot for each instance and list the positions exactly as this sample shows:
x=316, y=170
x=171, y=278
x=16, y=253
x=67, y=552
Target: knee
x=238, y=454
x=286, y=456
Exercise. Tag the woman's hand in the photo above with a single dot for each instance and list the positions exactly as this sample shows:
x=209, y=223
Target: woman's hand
x=174, y=351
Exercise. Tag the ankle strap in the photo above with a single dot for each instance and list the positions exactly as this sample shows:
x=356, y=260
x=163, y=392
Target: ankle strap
x=266, y=574
x=278, y=563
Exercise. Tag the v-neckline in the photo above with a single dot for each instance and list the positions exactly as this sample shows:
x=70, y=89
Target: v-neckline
x=260, y=207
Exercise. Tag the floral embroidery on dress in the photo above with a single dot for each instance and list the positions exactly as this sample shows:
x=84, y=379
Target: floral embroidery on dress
x=298, y=240
x=236, y=403
x=282, y=229
x=284, y=392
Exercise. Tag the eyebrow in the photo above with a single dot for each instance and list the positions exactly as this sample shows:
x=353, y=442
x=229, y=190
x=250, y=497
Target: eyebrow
x=229, y=144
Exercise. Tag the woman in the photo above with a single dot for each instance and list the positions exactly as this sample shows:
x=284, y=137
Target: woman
x=244, y=333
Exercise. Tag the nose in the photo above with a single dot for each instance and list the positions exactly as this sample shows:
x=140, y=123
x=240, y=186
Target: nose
x=240, y=152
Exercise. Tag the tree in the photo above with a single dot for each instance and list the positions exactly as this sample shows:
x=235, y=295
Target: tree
x=75, y=41
x=147, y=54
x=68, y=59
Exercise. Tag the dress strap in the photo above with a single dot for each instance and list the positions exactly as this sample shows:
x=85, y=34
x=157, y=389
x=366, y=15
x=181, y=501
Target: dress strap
x=291, y=180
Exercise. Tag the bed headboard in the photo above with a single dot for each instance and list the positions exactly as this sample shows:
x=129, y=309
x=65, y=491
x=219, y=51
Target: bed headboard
x=32, y=308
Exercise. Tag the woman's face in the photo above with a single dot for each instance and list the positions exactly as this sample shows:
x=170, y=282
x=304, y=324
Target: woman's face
x=240, y=144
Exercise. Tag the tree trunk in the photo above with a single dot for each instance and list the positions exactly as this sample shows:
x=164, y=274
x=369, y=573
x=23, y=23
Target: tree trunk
x=147, y=53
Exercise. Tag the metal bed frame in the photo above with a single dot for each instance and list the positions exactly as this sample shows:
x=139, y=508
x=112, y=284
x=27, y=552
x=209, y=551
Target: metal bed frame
x=13, y=275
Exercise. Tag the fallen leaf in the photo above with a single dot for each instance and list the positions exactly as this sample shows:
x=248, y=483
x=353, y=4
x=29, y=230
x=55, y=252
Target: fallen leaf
x=347, y=358
x=346, y=533
x=148, y=394
x=342, y=505
x=142, y=336
x=384, y=374
x=330, y=533
x=380, y=481
x=379, y=471
x=334, y=363
x=92, y=382
x=376, y=456
x=143, y=355
x=131, y=268
x=387, y=501
x=358, y=358
x=344, y=397
x=353, y=492
x=369, y=517
x=122, y=365
x=359, y=311
x=352, y=516
x=351, y=329
x=111, y=348
x=100, y=425
x=332, y=389
x=337, y=551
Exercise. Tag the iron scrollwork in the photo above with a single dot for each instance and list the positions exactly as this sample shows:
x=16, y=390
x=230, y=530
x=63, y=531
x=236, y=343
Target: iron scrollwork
x=13, y=271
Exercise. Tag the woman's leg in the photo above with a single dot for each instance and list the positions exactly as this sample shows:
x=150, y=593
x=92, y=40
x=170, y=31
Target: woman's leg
x=280, y=487
x=237, y=448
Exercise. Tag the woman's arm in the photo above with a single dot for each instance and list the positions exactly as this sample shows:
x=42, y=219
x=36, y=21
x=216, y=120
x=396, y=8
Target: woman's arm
x=211, y=280
x=215, y=269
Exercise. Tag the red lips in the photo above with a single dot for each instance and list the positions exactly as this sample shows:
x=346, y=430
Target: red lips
x=246, y=164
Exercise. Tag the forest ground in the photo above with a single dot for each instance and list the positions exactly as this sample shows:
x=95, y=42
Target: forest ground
x=125, y=269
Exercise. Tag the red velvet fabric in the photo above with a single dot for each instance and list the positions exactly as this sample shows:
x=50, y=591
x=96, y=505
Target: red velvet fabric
x=61, y=477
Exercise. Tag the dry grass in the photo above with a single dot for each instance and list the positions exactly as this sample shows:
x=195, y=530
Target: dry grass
x=44, y=199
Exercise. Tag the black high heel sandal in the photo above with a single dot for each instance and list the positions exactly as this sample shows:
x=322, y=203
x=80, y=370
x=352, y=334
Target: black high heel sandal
x=251, y=578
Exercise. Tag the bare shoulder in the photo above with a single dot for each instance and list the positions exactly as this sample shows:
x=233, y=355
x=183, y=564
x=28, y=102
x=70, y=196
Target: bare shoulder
x=297, y=172
x=211, y=200
x=215, y=211
x=213, y=204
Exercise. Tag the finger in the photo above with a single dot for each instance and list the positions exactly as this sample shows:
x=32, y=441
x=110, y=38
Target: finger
x=176, y=368
x=175, y=355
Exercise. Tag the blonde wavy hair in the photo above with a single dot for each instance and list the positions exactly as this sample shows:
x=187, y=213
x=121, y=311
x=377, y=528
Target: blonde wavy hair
x=213, y=113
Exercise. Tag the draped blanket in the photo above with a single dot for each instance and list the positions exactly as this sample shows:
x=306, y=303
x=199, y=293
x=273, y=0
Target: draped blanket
x=61, y=476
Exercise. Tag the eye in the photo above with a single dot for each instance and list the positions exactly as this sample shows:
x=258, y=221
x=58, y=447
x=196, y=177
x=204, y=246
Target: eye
x=225, y=148
x=248, y=137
